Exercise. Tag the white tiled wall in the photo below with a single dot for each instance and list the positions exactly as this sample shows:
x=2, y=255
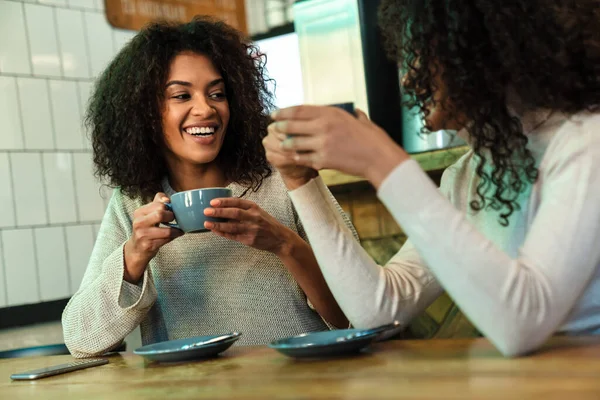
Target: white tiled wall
x=50, y=53
x=51, y=249
x=66, y=115
x=14, y=56
x=20, y=266
x=43, y=46
x=80, y=240
x=38, y=131
x=10, y=123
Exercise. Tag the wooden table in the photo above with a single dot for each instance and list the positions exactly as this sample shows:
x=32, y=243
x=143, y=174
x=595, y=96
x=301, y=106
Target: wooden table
x=567, y=368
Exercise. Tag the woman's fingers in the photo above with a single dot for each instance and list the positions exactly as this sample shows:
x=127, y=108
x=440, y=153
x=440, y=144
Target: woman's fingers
x=272, y=143
x=310, y=160
x=297, y=112
x=148, y=238
x=301, y=143
x=229, y=213
x=158, y=216
x=163, y=233
x=297, y=127
x=233, y=228
x=234, y=202
x=157, y=204
x=160, y=197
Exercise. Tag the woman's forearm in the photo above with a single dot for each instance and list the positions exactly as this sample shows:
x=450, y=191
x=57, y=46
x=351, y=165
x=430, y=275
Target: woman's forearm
x=300, y=260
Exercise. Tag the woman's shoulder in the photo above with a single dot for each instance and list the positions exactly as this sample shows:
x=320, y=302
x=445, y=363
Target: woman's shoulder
x=121, y=202
x=578, y=137
x=456, y=172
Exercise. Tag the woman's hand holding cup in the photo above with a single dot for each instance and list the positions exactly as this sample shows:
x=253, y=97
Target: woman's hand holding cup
x=148, y=237
x=292, y=174
x=318, y=137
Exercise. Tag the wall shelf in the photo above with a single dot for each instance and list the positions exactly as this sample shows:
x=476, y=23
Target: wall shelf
x=430, y=161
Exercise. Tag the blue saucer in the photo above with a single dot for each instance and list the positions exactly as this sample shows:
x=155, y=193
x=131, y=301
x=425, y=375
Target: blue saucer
x=326, y=344
x=188, y=349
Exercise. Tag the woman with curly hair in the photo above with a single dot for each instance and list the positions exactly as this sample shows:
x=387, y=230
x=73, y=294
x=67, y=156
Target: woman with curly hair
x=513, y=233
x=181, y=107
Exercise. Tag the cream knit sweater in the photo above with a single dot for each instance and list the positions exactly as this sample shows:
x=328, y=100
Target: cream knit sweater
x=199, y=284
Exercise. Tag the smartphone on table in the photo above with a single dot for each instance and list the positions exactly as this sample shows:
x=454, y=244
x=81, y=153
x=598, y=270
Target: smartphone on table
x=58, y=369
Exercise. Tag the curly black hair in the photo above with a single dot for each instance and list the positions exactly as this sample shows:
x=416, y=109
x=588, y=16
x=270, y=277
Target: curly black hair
x=124, y=113
x=547, y=52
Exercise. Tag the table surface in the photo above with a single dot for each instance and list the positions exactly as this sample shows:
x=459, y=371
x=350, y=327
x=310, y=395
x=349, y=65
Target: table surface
x=566, y=368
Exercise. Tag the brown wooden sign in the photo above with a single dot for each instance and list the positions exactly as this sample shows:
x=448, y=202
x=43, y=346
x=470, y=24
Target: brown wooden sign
x=134, y=14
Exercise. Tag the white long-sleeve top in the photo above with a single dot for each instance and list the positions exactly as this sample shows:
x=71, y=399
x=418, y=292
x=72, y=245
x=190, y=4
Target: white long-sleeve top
x=518, y=284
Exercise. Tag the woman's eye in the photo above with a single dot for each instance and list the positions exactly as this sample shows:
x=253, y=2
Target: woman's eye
x=217, y=96
x=181, y=96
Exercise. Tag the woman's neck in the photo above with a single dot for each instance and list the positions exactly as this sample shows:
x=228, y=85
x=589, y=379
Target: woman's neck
x=188, y=177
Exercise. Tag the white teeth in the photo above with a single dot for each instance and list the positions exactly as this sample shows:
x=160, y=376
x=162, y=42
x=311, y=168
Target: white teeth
x=196, y=130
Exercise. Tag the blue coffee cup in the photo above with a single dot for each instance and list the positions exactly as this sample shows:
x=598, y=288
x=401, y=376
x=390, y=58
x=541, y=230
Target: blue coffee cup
x=348, y=107
x=189, y=206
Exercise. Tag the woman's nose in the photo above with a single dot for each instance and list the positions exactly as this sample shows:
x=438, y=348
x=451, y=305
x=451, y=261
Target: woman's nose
x=202, y=108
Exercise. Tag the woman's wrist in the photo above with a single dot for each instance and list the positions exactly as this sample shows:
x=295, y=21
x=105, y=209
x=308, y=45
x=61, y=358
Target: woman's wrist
x=384, y=163
x=288, y=245
x=294, y=182
x=133, y=266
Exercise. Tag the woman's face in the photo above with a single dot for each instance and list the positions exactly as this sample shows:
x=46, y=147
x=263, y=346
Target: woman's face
x=440, y=116
x=195, y=112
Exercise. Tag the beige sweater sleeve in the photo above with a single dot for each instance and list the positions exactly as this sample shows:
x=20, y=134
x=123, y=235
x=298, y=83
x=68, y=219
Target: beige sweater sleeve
x=106, y=308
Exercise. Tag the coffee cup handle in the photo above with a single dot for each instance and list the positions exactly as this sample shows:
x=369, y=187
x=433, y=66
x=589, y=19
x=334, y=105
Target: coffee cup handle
x=170, y=208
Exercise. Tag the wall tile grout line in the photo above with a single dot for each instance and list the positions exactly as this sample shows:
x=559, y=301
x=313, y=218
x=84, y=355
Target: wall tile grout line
x=53, y=122
x=25, y=25
x=58, y=43
x=68, y=7
x=77, y=213
x=45, y=189
x=12, y=189
x=87, y=45
x=66, y=248
x=37, y=264
x=50, y=225
x=81, y=116
x=20, y=117
x=114, y=42
x=42, y=76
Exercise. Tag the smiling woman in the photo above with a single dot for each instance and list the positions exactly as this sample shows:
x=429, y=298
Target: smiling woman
x=195, y=115
x=161, y=76
x=183, y=107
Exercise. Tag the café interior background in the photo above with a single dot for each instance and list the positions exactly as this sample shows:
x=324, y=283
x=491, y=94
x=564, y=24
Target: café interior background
x=50, y=53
